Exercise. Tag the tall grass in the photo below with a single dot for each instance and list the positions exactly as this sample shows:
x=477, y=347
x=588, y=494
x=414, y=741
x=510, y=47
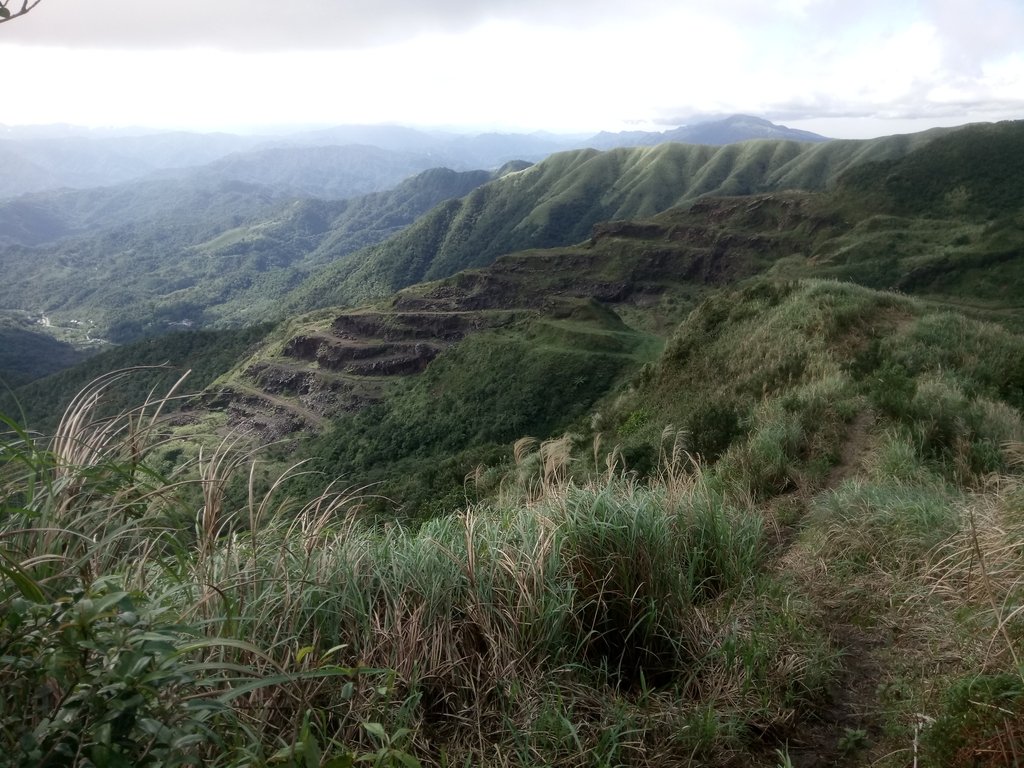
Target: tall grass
x=538, y=628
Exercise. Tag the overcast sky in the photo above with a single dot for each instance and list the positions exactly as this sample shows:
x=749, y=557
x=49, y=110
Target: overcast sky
x=847, y=68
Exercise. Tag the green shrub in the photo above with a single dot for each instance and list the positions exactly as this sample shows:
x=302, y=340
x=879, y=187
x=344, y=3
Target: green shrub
x=102, y=678
x=982, y=723
x=710, y=429
x=764, y=465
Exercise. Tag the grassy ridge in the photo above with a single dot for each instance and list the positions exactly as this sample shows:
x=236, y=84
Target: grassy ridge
x=557, y=202
x=736, y=611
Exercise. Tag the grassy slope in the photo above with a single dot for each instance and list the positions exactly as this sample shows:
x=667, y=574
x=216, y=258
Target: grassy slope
x=534, y=377
x=838, y=581
x=869, y=426
x=529, y=323
x=557, y=202
x=805, y=597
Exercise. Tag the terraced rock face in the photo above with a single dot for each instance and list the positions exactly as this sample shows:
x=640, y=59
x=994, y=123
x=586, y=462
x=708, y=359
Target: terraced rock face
x=342, y=366
x=361, y=358
x=345, y=362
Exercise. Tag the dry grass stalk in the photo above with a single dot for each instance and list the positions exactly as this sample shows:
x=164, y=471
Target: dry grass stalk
x=981, y=562
x=522, y=448
x=555, y=456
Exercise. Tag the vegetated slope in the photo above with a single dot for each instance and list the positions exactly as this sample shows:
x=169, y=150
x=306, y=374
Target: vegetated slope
x=649, y=271
x=26, y=354
x=945, y=221
x=227, y=264
x=974, y=172
x=557, y=201
x=812, y=596
x=33, y=162
x=204, y=354
x=872, y=428
x=523, y=346
x=330, y=172
x=792, y=536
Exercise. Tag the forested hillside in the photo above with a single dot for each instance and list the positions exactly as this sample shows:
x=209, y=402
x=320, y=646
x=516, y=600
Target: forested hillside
x=151, y=272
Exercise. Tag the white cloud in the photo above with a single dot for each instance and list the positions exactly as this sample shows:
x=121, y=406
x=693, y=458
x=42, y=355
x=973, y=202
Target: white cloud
x=572, y=65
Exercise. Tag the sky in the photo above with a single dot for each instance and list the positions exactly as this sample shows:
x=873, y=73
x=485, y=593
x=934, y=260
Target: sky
x=841, y=68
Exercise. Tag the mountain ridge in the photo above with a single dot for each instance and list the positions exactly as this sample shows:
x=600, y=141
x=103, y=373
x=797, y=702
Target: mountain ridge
x=36, y=159
x=557, y=201
x=728, y=130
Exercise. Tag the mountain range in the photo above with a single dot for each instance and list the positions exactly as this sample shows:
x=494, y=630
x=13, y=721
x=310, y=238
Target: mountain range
x=35, y=159
x=255, y=252
x=647, y=456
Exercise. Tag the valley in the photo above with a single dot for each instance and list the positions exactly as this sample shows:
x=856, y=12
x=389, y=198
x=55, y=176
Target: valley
x=671, y=454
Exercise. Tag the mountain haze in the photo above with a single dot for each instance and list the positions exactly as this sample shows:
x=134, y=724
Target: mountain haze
x=33, y=160
x=729, y=130
x=171, y=252
x=363, y=157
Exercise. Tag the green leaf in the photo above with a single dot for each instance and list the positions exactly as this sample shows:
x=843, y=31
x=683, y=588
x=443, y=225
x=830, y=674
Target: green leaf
x=283, y=755
x=376, y=730
x=28, y=586
x=106, y=602
x=406, y=759
x=271, y=680
x=5, y=13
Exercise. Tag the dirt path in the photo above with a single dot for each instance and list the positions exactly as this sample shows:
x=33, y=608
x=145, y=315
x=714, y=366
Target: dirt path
x=848, y=721
x=858, y=440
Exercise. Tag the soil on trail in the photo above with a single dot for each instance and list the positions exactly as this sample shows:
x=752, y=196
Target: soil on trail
x=856, y=444
x=848, y=722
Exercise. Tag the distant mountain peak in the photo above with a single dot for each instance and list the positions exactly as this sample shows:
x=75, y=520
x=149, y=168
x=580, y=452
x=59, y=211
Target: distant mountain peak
x=718, y=132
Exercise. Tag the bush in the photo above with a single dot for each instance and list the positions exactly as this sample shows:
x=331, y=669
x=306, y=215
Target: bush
x=101, y=676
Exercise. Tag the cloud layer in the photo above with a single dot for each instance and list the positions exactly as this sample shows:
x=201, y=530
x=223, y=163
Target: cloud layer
x=264, y=25
x=567, y=65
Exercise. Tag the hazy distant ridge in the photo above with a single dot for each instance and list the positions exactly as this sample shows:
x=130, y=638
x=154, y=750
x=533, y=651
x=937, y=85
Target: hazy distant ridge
x=712, y=132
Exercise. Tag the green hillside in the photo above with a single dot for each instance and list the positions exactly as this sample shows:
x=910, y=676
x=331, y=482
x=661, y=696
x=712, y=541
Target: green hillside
x=810, y=594
x=227, y=265
x=205, y=355
x=557, y=202
x=27, y=354
x=737, y=482
x=154, y=266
